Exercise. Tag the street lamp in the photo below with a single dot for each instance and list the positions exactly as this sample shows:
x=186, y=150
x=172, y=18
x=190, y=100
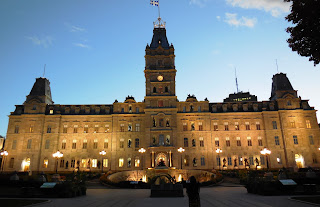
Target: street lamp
x=4, y=154
x=141, y=150
x=218, y=151
x=102, y=153
x=57, y=155
x=181, y=150
x=266, y=152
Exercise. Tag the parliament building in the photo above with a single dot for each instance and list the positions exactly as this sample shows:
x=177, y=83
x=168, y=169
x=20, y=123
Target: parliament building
x=226, y=135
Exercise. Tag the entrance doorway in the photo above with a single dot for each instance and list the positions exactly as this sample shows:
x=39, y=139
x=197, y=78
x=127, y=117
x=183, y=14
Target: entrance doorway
x=161, y=159
x=299, y=160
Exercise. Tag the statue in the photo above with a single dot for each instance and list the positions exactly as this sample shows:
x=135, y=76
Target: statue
x=154, y=122
x=235, y=162
x=224, y=162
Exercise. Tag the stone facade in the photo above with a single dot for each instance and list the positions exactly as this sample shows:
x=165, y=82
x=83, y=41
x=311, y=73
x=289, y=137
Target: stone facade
x=240, y=126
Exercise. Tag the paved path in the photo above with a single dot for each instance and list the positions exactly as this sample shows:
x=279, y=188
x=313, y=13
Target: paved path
x=213, y=196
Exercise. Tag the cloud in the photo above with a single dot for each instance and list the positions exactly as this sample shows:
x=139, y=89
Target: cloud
x=275, y=7
x=81, y=45
x=218, y=18
x=232, y=20
x=44, y=42
x=200, y=3
x=73, y=28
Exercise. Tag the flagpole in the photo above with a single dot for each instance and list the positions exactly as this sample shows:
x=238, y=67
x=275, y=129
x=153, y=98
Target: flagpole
x=159, y=8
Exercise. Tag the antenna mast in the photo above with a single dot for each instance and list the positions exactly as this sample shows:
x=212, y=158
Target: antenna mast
x=235, y=72
x=44, y=70
x=277, y=66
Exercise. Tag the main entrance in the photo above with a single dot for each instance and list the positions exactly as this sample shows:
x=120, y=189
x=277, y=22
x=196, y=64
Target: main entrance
x=161, y=159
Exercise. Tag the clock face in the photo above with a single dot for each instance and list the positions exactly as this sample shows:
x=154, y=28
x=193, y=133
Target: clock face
x=160, y=78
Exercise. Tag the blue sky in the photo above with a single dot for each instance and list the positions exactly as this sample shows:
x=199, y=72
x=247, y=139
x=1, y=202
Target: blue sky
x=94, y=50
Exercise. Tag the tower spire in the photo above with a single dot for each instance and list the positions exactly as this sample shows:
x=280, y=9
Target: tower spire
x=235, y=72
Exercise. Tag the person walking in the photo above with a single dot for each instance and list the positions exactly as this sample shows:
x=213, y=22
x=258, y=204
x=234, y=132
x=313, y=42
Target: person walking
x=193, y=190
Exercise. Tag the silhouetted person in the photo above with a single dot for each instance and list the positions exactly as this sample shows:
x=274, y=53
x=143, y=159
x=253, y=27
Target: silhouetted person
x=193, y=190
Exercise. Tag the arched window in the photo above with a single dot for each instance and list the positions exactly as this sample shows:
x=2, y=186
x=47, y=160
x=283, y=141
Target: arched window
x=154, y=90
x=45, y=163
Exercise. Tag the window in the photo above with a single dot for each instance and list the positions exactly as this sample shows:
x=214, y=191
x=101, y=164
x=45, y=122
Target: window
x=199, y=108
x=137, y=127
x=168, y=140
x=129, y=162
x=14, y=144
x=227, y=141
x=185, y=127
x=34, y=107
x=74, y=144
x=258, y=126
x=276, y=140
x=105, y=163
x=192, y=126
x=96, y=129
x=238, y=141
x=186, y=160
x=130, y=109
x=166, y=89
x=11, y=163
x=185, y=142
x=121, y=127
x=47, y=144
x=75, y=129
x=85, y=144
x=120, y=162
x=289, y=103
x=311, y=140
x=31, y=128
x=229, y=161
x=73, y=163
x=274, y=125
x=226, y=126
x=216, y=141
x=136, y=162
x=215, y=126
x=160, y=122
x=61, y=163
x=240, y=160
x=122, y=110
x=137, y=110
x=262, y=161
x=160, y=103
x=236, y=126
x=202, y=160
x=83, y=162
x=45, y=163
x=200, y=126
x=86, y=129
x=251, y=160
x=49, y=129
x=137, y=143
x=16, y=129
x=29, y=143
x=184, y=109
x=107, y=128
x=129, y=127
x=201, y=142
x=121, y=143
x=65, y=128
x=249, y=141
x=308, y=124
x=314, y=158
x=295, y=139
x=247, y=126
x=218, y=160
x=64, y=143
x=193, y=142
x=279, y=160
x=106, y=143
x=94, y=163
x=95, y=144
x=191, y=108
x=292, y=124
x=259, y=141
x=154, y=90
x=167, y=123
x=129, y=143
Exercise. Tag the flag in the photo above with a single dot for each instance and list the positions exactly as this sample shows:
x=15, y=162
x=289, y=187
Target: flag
x=154, y=3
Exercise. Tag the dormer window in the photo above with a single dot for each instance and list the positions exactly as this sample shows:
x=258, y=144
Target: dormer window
x=159, y=42
x=34, y=107
x=51, y=111
x=289, y=103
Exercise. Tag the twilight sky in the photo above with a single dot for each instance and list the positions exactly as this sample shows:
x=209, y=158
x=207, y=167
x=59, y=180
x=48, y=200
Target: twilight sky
x=94, y=50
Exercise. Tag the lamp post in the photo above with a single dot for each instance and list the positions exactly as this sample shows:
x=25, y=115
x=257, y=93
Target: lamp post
x=102, y=153
x=141, y=150
x=266, y=152
x=4, y=154
x=181, y=150
x=57, y=155
x=218, y=151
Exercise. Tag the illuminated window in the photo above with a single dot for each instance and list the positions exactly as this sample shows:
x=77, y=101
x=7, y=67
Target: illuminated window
x=240, y=159
x=129, y=162
x=236, y=126
x=311, y=140
x=45, y=163
x=65, y=128
x=83, y=162
x=47, y=144
x=226, y=126
x=185, y=127
x=216, y=141
x=201, y=142
x=74, y=144
x=31, y=128
x=121, y=143
x=227, y=141
x=308, y=124
x=200, y=126
x=49, y=129
x=121, y=127
x=295, y=139
x=247, y=126
x=86, y=129
x=85, y=144
x=238, y=141
x=75, y=129
x=258, y=126
x=137, y=127
x=136, y=162
x=96, y=129
x=106, y=143
x=215, y=126
x=29, y=143
x=185, y=142
x=276, y=140
x=16, y=129
x=94, y=163
x=105, y=163
x=64, y=143
x=292, y=124
x=95, y=144
x=249, y=141
x=259, y=141
x=51, y=111
x=186, y=160
x=120, y=162
x=274, y=125
x=107, y=129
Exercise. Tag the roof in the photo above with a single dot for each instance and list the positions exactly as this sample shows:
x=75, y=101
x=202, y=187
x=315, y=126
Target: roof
x=159, y=38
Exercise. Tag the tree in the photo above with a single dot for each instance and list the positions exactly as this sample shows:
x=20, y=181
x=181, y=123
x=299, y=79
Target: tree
x=305, y=34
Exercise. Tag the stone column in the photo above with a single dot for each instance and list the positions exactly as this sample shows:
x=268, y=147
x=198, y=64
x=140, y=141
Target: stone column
x=152, y=157
x=170, y=161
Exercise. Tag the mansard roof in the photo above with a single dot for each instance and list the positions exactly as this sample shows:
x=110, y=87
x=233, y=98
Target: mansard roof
x=41, y=91
x=159, y=38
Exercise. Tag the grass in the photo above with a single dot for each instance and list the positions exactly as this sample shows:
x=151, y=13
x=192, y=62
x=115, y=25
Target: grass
x=313, y=199
x=19, y=202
